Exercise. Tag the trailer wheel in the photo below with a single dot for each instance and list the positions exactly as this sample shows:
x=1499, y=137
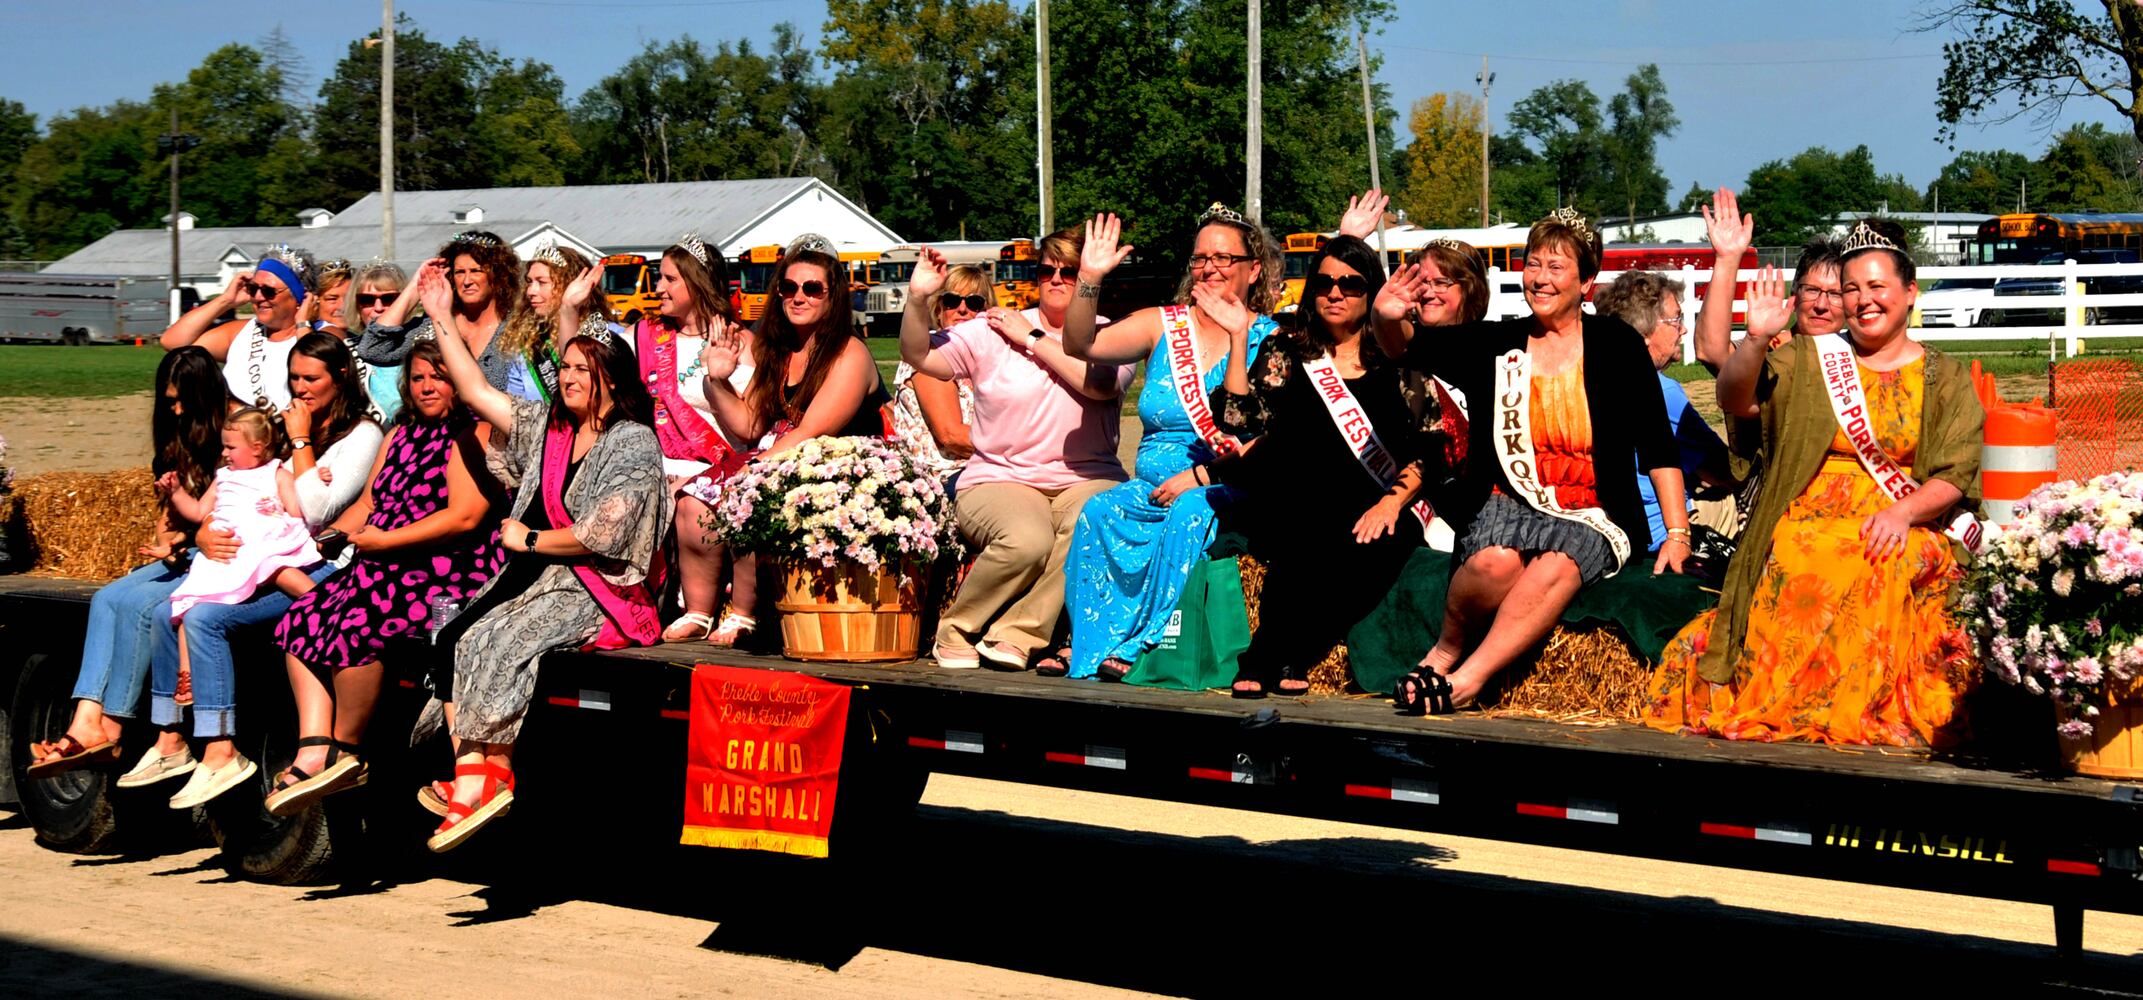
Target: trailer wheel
x=74, y=336
x=257, y=846
x=71, y=811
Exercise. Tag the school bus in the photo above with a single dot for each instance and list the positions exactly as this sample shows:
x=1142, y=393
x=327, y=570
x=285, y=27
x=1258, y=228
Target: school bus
x=1017, y=286
x=2029, y=237
x=890, y=295
x=1295, y=268
x=755, y=279
x=629, y=286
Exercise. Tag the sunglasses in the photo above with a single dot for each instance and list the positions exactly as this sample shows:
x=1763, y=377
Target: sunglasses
x=974, y=303
x=366, y=300
x=811, y=289
x=1353, y=286
x=1045, y=272
x=265, y=291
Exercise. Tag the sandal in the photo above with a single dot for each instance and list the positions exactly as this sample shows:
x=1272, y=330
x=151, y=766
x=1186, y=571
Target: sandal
x=1424, y=692
x=1246, y=688
x=435, y=796
x=699, y=623
x=462, y=821
x=1055, y=664
x=1292, y=676
x=68, y=753
x=182, y=695
x=344, y=771
x=1113, y=669
x=734, y=627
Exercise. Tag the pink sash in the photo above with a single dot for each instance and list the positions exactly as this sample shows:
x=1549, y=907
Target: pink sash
x=682, y=432
x=628, y=612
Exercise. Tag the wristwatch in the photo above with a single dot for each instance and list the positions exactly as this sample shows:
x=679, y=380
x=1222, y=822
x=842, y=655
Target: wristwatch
x=298, y=443
x=530, y=544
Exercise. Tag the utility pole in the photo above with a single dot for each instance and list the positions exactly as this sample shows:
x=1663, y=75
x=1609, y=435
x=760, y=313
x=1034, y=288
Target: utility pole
x=1254, y=144
x=386, y=130
x=1486, y=80
x=175, y=142
x=1369, y=118
x=1044, y=139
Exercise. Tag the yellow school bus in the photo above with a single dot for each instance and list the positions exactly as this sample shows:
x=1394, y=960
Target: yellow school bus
x=1016, y=286
x=629, y=287
x=1295, y=267
x=755, y=279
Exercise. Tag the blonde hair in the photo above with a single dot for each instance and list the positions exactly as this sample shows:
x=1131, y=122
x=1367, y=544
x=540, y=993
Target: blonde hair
x=525, y=330
x=379, y=272
x=1259, y=245
x=964, y=279
x=259, y=427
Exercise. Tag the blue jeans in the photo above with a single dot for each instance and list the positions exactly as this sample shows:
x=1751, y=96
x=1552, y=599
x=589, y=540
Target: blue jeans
x=208, y=644
x=115, y=652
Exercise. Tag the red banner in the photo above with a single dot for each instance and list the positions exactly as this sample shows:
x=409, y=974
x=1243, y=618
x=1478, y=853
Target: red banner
x=763, y=760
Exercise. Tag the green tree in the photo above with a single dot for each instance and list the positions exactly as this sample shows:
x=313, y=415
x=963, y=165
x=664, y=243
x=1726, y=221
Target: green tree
x=1639, y=117
x=2087, y=168
x=1693, y=198
x=95, y=171
x=435, y=130
x=1560, y=124
x=1984, y=181
x=1797, y=198
x=678, y=111
x=233, y=102
x=2035, y=55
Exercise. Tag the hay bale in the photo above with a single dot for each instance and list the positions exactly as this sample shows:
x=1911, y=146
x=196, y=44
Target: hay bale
x=1589, y=672
x=83, y=525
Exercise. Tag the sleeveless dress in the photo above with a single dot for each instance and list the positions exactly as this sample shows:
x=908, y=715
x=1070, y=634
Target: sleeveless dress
x=1130, y=558
x=1562, y=443
x=1838, y=649
x=350, y=617
x=267, y=543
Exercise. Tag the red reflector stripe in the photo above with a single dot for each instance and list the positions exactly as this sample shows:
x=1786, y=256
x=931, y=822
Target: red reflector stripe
x=676, y=713
x=1727, y=830
x=1212, y=774
x=1368, y=792
x=1064, y=758
x=2071, y=867
x=928, y=744
x=1551, y=812
x=407, y=684
x=567, y=702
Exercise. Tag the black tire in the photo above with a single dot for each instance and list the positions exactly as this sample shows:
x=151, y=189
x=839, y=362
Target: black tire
x=71, y=811
x=74, y=337
x=297, y=850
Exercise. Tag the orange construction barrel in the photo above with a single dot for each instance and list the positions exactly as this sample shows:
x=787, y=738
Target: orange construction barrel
x=2019, y=456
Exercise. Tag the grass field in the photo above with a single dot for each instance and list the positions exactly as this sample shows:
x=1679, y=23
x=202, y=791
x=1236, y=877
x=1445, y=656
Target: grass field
x=54, y=372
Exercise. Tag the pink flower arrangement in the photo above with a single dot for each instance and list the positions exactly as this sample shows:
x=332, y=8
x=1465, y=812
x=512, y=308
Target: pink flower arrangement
x=832, y=499
x=2052, y=601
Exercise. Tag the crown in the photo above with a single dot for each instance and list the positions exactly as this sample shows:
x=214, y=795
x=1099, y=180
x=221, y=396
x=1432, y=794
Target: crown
x=290, y=256
x=812, y=243
x=1570, y=217
x=1448, y=243
x=1864, y=237
x=694, y=246
x=474, y=239
x=1221, y=212
x=549, y=254
x=335, y=266
x=594, y=327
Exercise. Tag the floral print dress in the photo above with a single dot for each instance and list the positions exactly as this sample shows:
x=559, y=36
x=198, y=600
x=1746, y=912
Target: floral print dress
x=1839, y=649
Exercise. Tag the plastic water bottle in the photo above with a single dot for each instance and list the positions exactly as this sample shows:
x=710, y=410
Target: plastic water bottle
x=443, y=610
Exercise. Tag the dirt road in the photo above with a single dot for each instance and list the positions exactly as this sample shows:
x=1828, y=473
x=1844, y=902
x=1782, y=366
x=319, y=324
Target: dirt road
x=1007, y=890
x=75, y=435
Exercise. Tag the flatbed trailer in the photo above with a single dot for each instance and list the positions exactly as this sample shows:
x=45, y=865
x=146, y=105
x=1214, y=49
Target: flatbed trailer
x=1911, y=820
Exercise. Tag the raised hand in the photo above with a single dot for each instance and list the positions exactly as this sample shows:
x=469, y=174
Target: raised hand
x=725, y=346
x=582, y=289
x=1222, y=307
x=1363, y=213
x=433, y=291
x=1396, y=300
x=928, y=278
x=1101, y=254
x=1769, y=306
x=1730, y=230
x=235, y=291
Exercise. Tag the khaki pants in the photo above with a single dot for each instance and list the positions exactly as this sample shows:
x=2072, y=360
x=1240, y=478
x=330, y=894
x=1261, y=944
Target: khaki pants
x=1023, y=534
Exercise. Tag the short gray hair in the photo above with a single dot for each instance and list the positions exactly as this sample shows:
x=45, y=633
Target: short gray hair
x=1634, y=298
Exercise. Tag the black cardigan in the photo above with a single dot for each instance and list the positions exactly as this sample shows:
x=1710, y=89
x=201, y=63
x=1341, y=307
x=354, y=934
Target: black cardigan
x=1628, y=412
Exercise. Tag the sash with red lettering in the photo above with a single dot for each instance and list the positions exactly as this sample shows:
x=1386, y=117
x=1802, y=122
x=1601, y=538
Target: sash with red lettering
x=1355, y=429
x=1186, y=373
x=1849, y=404
x=763, y=760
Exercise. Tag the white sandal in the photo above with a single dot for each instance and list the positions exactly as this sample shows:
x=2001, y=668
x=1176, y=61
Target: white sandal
x=734, y=626
x=697, y=620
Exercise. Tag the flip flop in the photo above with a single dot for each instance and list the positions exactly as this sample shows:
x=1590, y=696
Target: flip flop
x=700, y=623
x=733, y=627
x=68, y=760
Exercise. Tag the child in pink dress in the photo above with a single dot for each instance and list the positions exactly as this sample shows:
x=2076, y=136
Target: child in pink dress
x=255, y=498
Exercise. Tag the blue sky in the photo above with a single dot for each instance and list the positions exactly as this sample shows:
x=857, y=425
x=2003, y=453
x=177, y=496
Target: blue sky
x=1763, y=83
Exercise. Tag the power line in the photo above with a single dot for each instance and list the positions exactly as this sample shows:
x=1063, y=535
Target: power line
x=1662, y=62
x=630, y=3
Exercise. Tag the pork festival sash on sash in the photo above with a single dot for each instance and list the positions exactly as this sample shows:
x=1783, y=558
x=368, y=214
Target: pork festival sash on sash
x=1849, y=404
x=682, y=432
x=629, y=617
x=1514, y=451
x=1187, y=375
x=1360, y=435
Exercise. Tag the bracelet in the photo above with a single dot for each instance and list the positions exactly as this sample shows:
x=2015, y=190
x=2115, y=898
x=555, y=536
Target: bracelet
x=1684, y=532
x=1198, y=473
x=1089, y=290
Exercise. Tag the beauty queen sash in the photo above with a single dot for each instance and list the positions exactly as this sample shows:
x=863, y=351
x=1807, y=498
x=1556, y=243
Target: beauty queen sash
x=1360, y=435
x=1514, y=451
x=629, y=617
x=1849, y=404
x=681, y=430
x=1187, y=375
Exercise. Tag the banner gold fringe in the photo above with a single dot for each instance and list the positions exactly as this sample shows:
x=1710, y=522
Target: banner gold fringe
x=801, y=844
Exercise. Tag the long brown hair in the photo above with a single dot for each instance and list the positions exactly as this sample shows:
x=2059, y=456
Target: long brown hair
x=496, y=258
x=525, y=330
x=187, y=441
x=708, y=283
x=777, y=340
x=1460, y=263
x=620, y=385
x=350, y=399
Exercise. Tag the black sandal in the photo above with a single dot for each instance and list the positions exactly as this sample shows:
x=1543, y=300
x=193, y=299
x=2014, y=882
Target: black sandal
x=287, y=797
x=1424, y=692
x=1113, y=669
x=1253, y=693
x=1294, y=674
x=1055, y=664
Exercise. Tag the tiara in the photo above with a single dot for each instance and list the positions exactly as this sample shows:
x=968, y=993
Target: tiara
x=1222, y=212
x=1448, y=243
x=474, y=239
x=549, y=254
x=811, y=243
x=290, y=257
x=1570, y=217
x=595, y=328
x=1864, y=237
x=694, y=246
x=337, y=265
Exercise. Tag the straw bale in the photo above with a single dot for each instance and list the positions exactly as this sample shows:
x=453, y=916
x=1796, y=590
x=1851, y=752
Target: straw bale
x=1253, y=573
x=83, y=525
x=1587, y=672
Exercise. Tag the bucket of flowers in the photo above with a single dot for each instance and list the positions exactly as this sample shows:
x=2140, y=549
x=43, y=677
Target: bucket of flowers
x=2056, y=607
x=853, y=525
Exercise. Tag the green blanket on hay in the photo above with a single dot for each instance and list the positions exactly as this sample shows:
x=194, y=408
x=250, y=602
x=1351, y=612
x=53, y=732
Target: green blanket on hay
x=1390, y=641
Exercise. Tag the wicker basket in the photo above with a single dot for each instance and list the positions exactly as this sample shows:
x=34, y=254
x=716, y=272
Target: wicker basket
x=850, y=613
x=2115, y=747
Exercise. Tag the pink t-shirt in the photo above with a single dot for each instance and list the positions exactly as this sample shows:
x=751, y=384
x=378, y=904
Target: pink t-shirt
x=1030, y=427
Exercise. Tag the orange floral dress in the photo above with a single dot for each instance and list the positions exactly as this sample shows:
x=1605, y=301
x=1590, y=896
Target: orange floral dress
x=1838, y=649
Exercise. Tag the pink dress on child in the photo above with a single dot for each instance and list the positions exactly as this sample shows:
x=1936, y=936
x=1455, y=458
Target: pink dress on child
x=266, y=542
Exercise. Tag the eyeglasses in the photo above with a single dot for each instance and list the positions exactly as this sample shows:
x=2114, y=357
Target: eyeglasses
x=1353, y=286
x=812, y=289
x=263, y=290
x=1440, y=285
x=1218, y=261
x=974, y=303
x=1812, y=293
x=366, y=300
x=1045, y=272
x=1673, y=321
